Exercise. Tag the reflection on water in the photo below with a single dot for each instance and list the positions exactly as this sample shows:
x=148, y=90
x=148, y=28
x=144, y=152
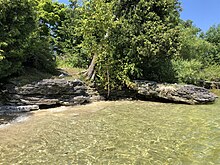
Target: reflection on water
x=123, y=132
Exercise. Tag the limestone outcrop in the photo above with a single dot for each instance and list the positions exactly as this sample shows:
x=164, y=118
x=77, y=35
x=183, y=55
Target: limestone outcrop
x=189, y=94
x=57, y=92
x=16, y=109
x=47, y=92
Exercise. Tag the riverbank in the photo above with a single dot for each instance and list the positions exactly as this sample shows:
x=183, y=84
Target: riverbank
x=116, y=132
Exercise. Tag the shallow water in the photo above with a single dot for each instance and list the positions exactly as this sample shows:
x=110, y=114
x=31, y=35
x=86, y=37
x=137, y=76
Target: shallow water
x=4, y=119
x=8, y=118
x=123, y=132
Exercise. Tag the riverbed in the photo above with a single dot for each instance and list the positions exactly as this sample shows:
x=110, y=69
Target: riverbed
x=117, y=132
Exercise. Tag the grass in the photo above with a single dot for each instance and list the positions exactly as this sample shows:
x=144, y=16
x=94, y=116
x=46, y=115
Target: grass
x=119, y=132
x=30, y=75
x=73, y=73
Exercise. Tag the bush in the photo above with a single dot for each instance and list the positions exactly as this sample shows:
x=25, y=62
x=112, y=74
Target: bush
x=18, y=21
x=160, y=70
x=72, y=60
x=192, y=71
x=211, y=73
x=187, y=71
x=39, y=55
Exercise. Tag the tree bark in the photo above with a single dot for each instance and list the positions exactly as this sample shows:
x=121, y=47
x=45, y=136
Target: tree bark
x=90, y=73
x=108, y=79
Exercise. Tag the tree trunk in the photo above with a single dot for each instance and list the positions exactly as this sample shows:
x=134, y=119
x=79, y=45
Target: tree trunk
x=108, y=79
x=90, y=73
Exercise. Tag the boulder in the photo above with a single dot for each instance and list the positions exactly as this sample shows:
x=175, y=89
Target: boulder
x=47, y=92
x=189, y=94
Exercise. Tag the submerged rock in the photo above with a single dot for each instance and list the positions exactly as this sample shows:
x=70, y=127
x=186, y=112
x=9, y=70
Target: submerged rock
x=189, y=94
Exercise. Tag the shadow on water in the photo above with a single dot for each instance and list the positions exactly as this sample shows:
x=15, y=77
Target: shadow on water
x=6, y=118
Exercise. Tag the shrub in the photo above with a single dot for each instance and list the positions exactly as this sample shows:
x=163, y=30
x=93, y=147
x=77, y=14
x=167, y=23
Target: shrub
x=187, y=71
x=211, y=73
x=72, y=60
x=18, y=20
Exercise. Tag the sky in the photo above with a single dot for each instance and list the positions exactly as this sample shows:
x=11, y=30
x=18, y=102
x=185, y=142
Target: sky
x=203, y=13
x=63, y=1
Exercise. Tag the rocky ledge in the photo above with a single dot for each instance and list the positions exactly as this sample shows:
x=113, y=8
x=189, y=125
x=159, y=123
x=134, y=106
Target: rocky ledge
x=48, y=92
x=57, y=92
x=16, y=109
x=189, y=94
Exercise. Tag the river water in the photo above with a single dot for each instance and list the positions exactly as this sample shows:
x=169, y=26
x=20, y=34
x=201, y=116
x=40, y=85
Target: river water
x=121, y=132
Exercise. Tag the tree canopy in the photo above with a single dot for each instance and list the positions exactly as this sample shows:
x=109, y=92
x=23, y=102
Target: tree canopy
x=17, y=22
x=129, y=39
x=117, y=41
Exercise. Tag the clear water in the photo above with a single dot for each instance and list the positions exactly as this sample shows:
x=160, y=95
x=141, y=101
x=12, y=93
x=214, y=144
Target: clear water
x=124, y=132
x=6, y=118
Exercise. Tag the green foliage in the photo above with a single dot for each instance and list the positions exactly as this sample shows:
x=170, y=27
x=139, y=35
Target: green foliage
x=192, y=46
x=199, y=54
x=39, y=54
x=22, y=41
x=71, y=52
x=213, y=37
x=44, y=41
x=210, y=73
x=152, y=37
x=18, y=20
x=129, y=38
x=95, y=23
x=51, y=14
x=187, y=70
x=71, y=60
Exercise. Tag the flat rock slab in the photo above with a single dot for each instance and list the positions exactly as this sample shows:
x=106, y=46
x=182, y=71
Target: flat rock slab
x=16, y=109
x=47, y=92
x=189, y=94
